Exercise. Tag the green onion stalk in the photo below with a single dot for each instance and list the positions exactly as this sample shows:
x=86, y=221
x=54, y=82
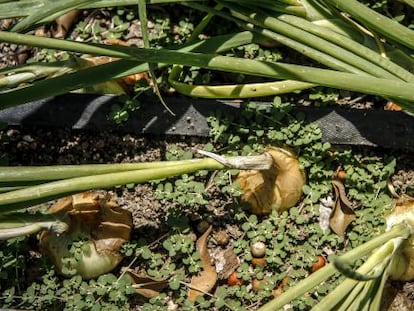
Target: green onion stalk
x=84, y=75
x=41, y=184
x=331, y=78
x=390, y=256
x=83, y=232
x=38, y=12
x=361, y=57
x=318, y=31
x=241, y=90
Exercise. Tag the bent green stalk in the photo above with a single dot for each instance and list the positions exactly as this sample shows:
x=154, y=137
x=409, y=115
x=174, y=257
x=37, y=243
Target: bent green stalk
x=400, y=230
x=10, y=77
x=247, y=90
x=18, y=224
x=376, y=263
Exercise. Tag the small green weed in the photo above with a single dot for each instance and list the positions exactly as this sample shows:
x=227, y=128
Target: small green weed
x=120, y=111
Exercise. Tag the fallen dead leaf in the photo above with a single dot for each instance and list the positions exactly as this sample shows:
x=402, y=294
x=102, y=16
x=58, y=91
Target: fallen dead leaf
x=318, y=264
x=342, y=213
x=281, y=287
x=148, y=286
x=207, y=278
x=392, y=107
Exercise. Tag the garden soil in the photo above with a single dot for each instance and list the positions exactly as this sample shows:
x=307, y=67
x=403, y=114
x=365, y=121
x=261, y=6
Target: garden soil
x=40, y=146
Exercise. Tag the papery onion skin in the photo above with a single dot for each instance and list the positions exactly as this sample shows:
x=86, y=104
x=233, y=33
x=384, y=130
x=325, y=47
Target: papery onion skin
x=96, y=221
x=402, y=265
x=276, y=189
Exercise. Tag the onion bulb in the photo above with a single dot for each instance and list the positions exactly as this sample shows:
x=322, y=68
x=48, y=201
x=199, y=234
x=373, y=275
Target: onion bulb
x=402, y=265
x=277, y=188
x=97, y=229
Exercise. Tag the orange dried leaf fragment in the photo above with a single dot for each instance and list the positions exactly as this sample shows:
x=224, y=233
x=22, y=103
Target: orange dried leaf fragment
x=319, y=263
x=233, y=279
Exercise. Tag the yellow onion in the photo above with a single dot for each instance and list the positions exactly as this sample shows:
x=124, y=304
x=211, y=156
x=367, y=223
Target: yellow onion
x=277, y=188
x=97, y=229
x=402, y=265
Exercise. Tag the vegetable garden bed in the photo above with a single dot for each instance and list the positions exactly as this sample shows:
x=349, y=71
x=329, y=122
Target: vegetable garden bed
x=208, y=204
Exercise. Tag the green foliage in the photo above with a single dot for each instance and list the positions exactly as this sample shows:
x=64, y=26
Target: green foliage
x=324, y=96
x=185, y=191
x=120, y=111
x=175, y=153
x=254, y=51
x=189, y=191
x=294, y=238
x=12, y=262
x=94, y=29
x=106, y=293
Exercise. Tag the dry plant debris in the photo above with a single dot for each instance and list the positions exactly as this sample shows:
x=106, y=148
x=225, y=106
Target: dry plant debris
x=148, y=286
x=342, y=214
x=207, y=278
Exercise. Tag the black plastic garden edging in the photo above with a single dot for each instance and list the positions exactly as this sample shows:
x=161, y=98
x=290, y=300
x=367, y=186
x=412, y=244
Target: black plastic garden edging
x=388, y=129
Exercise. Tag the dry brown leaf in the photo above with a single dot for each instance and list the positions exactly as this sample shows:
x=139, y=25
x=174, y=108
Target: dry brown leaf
x=119, y=86
x=148, y=286
x=207, y=278
x=392, y=107
x=342, y=214
x=281, y=287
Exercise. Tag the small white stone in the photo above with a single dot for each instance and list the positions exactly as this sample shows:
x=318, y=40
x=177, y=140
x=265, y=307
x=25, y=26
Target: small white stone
x=171, y=306
x=258, y=249
x=325, y=210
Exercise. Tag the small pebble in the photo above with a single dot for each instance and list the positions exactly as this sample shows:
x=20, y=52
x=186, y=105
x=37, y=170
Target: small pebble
x=258, y=249
x=222, y=238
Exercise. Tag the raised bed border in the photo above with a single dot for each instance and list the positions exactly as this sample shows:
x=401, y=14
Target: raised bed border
x=387, y=129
